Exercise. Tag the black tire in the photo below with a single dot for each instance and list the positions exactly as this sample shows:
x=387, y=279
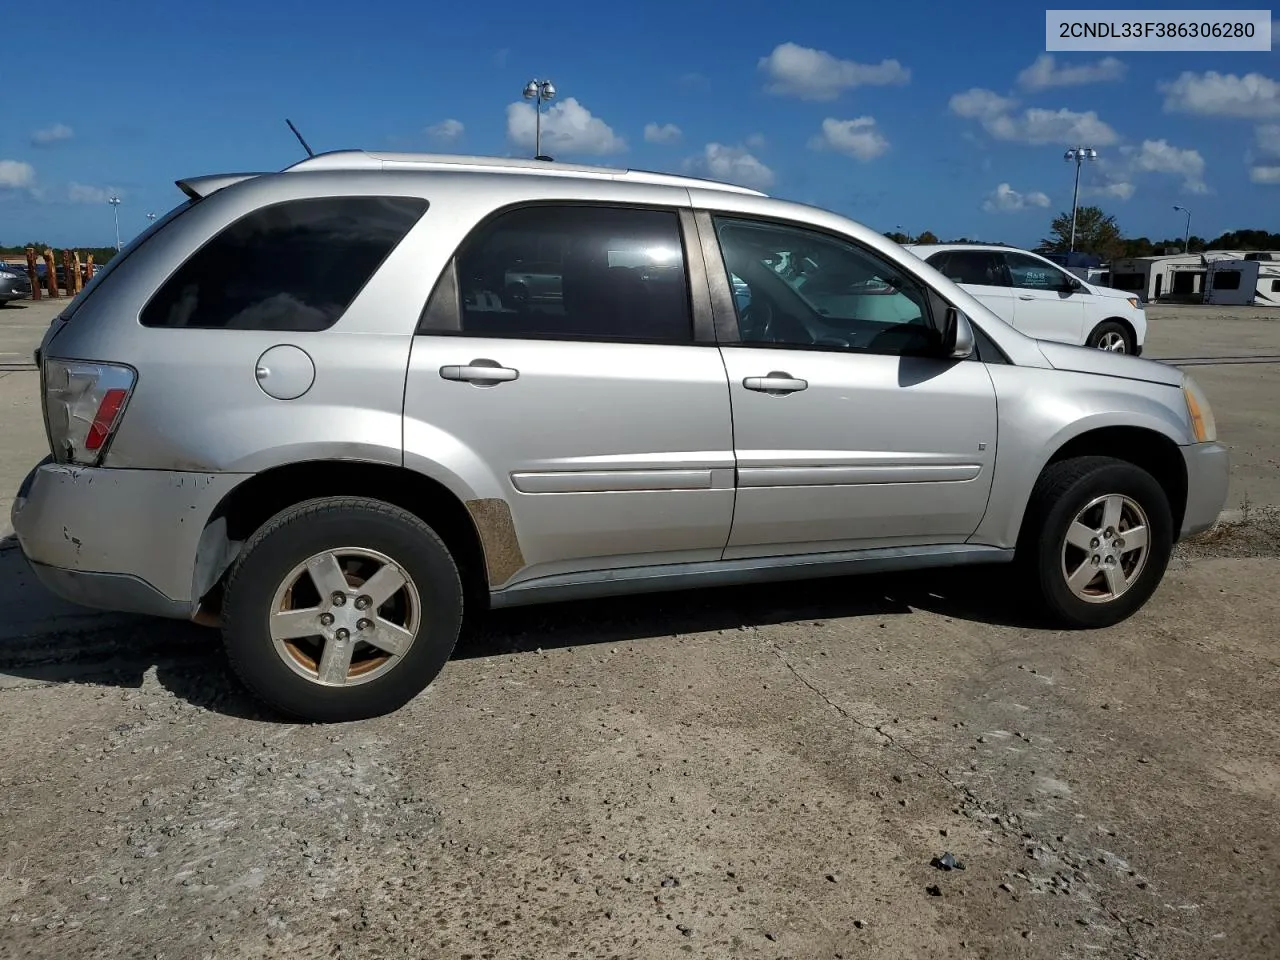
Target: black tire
x=1063, y=490
x=1109, y=330
x=313, y=527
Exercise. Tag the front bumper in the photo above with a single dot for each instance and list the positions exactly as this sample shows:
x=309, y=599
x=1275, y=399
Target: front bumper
x=1208, y=472
x=116, y=539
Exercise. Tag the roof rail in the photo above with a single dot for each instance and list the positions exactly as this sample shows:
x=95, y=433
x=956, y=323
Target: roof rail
x=367, y=160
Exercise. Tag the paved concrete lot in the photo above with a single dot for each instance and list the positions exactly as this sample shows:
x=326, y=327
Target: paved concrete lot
x=748, y=773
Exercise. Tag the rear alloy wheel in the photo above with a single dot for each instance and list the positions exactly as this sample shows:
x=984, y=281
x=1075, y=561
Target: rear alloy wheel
x=342, y=609
x=1112, y=337
x=1096, y=540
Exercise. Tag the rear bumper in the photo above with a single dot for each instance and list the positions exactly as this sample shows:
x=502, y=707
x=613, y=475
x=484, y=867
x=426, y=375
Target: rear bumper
x=115, y=539
x=1208, y=472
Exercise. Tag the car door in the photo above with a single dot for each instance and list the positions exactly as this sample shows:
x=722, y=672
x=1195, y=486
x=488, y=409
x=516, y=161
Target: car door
x=602, y=424
x=1047, y=305
x=847, y=434
x=982, y=273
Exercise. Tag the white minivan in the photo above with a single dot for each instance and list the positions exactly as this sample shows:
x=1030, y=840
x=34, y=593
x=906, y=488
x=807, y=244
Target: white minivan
x=1038, y=297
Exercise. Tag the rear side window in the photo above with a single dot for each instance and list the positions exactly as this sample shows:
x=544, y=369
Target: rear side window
x=294, y=266
x=575, y=273
x=973, y=266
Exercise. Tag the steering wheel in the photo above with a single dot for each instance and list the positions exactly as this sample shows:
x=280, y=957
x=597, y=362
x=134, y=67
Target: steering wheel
x=757, y=321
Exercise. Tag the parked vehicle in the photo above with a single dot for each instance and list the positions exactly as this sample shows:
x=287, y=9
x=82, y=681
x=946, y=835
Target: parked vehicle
x=313, y=418
x=1040, y=298
x=14, y=285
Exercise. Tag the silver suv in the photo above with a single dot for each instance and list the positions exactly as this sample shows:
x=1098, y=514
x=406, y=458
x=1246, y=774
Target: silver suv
x=311, y=407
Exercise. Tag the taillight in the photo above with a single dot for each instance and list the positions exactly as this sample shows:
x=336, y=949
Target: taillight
x=84, y=402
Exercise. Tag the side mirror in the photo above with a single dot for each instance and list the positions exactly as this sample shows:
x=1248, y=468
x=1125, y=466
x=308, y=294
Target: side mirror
x=957, y=336
x=1071, y=285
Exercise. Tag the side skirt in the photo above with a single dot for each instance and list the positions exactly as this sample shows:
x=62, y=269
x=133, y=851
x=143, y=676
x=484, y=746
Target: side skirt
x=725, y=573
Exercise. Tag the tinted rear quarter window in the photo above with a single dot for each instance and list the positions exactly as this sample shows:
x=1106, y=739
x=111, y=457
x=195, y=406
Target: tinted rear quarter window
x=295, y=265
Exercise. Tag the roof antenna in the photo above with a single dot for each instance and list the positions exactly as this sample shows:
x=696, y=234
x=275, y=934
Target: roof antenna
x=310, y=152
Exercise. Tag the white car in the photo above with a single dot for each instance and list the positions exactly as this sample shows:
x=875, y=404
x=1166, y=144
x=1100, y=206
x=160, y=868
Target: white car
x=1039, y=298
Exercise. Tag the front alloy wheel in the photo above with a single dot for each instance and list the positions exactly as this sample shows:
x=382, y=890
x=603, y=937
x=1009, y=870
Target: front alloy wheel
x=1105, y=549
x=1095, y=540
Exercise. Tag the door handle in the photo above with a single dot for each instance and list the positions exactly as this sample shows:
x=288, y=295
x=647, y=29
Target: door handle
x=1025, y=296
x=482, y=373
x=776, y=384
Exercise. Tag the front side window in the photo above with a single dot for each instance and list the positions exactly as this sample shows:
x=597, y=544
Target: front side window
x=799, y=288
x=1028, y=273
x=576, y=273
x=1227, y=280
x=295, y=265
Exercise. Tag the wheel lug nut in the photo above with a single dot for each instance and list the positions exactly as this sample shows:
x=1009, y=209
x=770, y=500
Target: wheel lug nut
x=1120, y=544
x=1095, y=543
x=1096, y=559
x=326, y=619
x=364, y=624
x=339, y=599
x=363, y=603
x=343, y=633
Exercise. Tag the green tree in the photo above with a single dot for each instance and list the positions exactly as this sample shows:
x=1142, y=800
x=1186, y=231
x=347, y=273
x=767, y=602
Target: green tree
x=896, y=236
x=928, y=236
x=1096, y=232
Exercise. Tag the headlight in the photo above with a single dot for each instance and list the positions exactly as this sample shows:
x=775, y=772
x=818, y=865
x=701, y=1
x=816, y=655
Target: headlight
x=1203, y=426
x=1133, y=302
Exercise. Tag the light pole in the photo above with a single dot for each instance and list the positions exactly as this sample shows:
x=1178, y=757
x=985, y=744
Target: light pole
x=1077, y=155
x=1186, y=237
x=538, y=91
x=115, y=212
x=907, y=235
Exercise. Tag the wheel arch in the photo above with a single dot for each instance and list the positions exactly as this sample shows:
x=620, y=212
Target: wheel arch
x=478, y=532
x=1128, y=328
x=1143, y=447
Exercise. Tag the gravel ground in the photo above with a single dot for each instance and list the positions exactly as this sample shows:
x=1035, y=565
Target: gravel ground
x=762, y=773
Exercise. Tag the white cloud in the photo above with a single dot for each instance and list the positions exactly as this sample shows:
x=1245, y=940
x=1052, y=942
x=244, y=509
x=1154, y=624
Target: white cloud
x=1045, y=73
x=14, y=174
x=54, y=134
x=980, y=104
x=811, y=74
x=757, y=141
x=567, y=128
x=1036, y=125
x=1223, y=95
x=665, y=133
x=732, y=165
x=1115, y=190
x=1159, y=156
x=1265, y=175
x=859, y=138
x=1005, y=199
x=83, y=193
x=1268, y=136
x=446, y=131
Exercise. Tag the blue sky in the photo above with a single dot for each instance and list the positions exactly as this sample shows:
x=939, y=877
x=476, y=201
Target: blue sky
x=934, y=116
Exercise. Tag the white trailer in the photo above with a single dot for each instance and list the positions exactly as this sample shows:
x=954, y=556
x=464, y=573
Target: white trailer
x=1244, y=282
x=1174, y=277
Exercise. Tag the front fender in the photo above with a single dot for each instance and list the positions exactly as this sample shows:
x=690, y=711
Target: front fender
x=1040, y=411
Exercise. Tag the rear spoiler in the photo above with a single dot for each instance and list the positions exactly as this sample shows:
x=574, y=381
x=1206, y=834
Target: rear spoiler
x=197, y=188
